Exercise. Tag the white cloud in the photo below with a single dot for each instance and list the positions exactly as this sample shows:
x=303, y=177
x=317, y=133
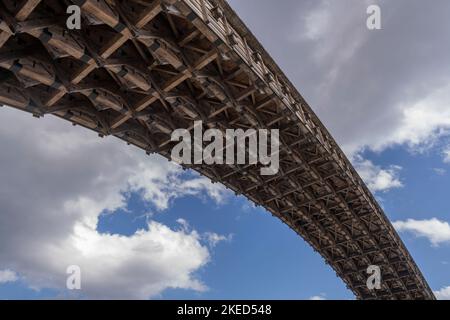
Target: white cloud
x=317, y=22
x=321, y=296
x=417, y=124
x=139, y=266
x=8, y=276
x=440, y=171
x=213, y=238
x=161, y=185
x=377, y=178
x=443, y=294
x=435, y=230
x=56, y=180
x=367, y=96
x=421, y=122
x=447, y=155
x=183, y=223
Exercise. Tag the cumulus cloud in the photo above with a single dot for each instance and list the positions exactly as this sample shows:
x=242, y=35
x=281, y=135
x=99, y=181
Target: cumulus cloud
x=8, y=276
x=377, y=178
x=372, y=89
x=421, y=122
x=56, y=180
x=161, y=185
x=443, y=294
x=435, y=230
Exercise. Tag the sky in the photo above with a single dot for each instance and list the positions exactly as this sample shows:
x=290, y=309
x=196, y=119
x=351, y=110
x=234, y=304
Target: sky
x=139, y=227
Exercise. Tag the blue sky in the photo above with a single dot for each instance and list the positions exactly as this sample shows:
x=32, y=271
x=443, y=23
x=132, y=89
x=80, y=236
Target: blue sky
x=261, y=257
x=264, y=259
x=141, y=228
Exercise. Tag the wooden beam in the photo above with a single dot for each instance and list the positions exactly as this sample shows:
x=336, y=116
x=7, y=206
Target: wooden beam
x=148, y=14
x=101, y=10
x=167, y=86
x=25, y=10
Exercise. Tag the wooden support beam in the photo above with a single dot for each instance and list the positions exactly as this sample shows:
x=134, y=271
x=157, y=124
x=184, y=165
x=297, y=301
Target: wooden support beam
x=168, y=86
x=101, y=10
x=188, y=38
x=148, y=14
x=25, y=10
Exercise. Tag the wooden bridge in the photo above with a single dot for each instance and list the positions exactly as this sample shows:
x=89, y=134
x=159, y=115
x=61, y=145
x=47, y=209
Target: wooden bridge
x=138, y=69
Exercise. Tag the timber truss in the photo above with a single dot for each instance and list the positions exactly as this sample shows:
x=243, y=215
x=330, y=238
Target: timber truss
x=138, y=69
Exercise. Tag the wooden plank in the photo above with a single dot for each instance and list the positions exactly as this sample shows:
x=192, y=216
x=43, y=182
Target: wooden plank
x=168, y=86
x=25, y=10
x=112, y=45
x=148, y=14
x=101, y=10
x=188, y=38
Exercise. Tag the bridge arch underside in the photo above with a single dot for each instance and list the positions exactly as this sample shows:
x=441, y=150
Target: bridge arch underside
x=140, y=69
